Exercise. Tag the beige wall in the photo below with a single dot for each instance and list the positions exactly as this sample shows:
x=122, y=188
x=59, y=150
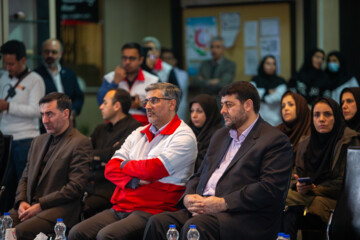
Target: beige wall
x=131, y=20
x=328, y=25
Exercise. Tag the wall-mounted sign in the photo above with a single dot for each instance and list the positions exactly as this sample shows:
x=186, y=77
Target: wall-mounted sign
x=79, y=10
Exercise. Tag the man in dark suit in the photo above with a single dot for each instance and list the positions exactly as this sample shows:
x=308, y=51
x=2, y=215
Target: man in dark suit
x=239, y=190
x=55, y=175
x=217, y=72
x=58, y=78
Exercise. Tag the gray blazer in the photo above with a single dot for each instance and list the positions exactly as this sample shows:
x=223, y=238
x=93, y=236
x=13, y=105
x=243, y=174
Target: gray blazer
x=62, y=183
x=254, y=185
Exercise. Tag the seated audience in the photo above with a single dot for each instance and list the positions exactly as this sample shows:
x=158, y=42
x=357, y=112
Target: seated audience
x=322, y=157
x=58, y=78
x=217, y=72
x=150, y=170
x=56, y=173
x=311, y=81
x=205, y=119
x=339, y=77
x=106, y=139
x=20, y=92
x=178, y=77
x=149, y=61
x=296, y=117
x=161, y=68
x=350, y=102
x=270, y=87
x=130, y=77
x=238, y=192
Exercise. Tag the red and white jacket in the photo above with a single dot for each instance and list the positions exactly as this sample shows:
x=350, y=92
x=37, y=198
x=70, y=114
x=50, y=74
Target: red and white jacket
x=166, y=160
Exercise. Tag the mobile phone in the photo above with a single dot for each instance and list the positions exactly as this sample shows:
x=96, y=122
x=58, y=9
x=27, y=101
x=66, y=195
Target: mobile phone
x=306, y=180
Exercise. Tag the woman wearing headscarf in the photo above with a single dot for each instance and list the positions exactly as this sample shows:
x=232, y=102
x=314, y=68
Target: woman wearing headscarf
x=339, y=77
x=322, y=158
x=205, y=120
x=296, y=117
x=270, y=87
x=311, y=81
x=350, y=103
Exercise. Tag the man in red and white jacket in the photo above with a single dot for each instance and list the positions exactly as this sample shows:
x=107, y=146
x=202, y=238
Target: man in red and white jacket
x=150, y=170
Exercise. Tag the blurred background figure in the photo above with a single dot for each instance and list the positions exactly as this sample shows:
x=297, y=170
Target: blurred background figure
x=217, y=72
x=350, y=103
x=270, y=87
x=339, y=77
x=161, y=68
x=311, y=81
x=178, y=77
x=296, y=118
x=205, y=120
x=149, y=61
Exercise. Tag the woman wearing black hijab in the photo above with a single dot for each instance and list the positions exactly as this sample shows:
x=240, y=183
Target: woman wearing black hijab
x=350, y=104
x=205, y=120
x=311, y=81
x=339, y=77
x=322, y=158
x=270, y=87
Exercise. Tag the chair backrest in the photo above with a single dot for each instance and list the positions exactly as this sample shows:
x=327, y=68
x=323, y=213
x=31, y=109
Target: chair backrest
x=5, y=161
x=345, y=223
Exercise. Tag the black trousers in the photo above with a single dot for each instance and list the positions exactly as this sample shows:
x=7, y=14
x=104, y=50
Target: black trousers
x=158, y=225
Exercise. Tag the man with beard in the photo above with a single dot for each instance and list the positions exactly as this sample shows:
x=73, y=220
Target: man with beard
x=241, y=186
x=58, y=78
x=130, y=77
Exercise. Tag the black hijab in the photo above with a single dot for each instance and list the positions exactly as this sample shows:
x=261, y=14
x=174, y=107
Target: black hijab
x=353, y=123
x=212, y=123
x=310, y=75
x=318, y=156
x=340, y=77
x=264, y=80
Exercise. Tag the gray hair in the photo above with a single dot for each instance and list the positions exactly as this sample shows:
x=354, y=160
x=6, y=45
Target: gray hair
x=154, y=40
x=168, y=90
x=217, y=38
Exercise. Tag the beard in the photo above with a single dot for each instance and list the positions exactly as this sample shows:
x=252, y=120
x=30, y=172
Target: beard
x=237, y=121
x=51, y=62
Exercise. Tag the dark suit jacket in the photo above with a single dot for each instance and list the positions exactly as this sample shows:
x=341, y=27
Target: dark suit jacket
x=62, y=183
x=69, y=82
x=254, y=185
x=225, y=71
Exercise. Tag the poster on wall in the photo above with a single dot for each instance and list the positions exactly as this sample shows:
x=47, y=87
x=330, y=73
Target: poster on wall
x=230, y=26
x=198, y=33
x=270, y=40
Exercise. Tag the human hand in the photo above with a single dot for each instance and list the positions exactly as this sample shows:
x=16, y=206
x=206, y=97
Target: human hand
x=143, y=182
x=214, y=81
x=214, y=204
x=30, y=212
x=4, y=105
x=22, y=207
x=136, y=102
x=120, y=74
x=303, y=188
x=194, y=203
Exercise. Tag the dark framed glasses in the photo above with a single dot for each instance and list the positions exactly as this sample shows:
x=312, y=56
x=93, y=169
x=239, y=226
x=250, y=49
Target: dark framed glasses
x=153, y=100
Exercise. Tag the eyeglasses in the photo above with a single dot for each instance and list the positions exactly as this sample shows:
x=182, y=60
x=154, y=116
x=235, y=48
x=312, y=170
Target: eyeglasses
x=47, y=51
x=131, y=59
x=153, y=101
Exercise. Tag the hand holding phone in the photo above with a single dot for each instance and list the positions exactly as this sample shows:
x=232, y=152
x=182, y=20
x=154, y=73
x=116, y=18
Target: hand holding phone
x=306, y=180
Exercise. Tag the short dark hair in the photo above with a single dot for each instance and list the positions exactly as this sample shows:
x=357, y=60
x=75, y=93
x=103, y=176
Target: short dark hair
x=244, y=91
x=14, y=47
x=123, y=97
x=63, y=101
x=132, y=45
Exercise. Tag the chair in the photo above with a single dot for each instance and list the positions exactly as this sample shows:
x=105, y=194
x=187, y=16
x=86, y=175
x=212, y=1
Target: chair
x=345, y=223
x=4, y=166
